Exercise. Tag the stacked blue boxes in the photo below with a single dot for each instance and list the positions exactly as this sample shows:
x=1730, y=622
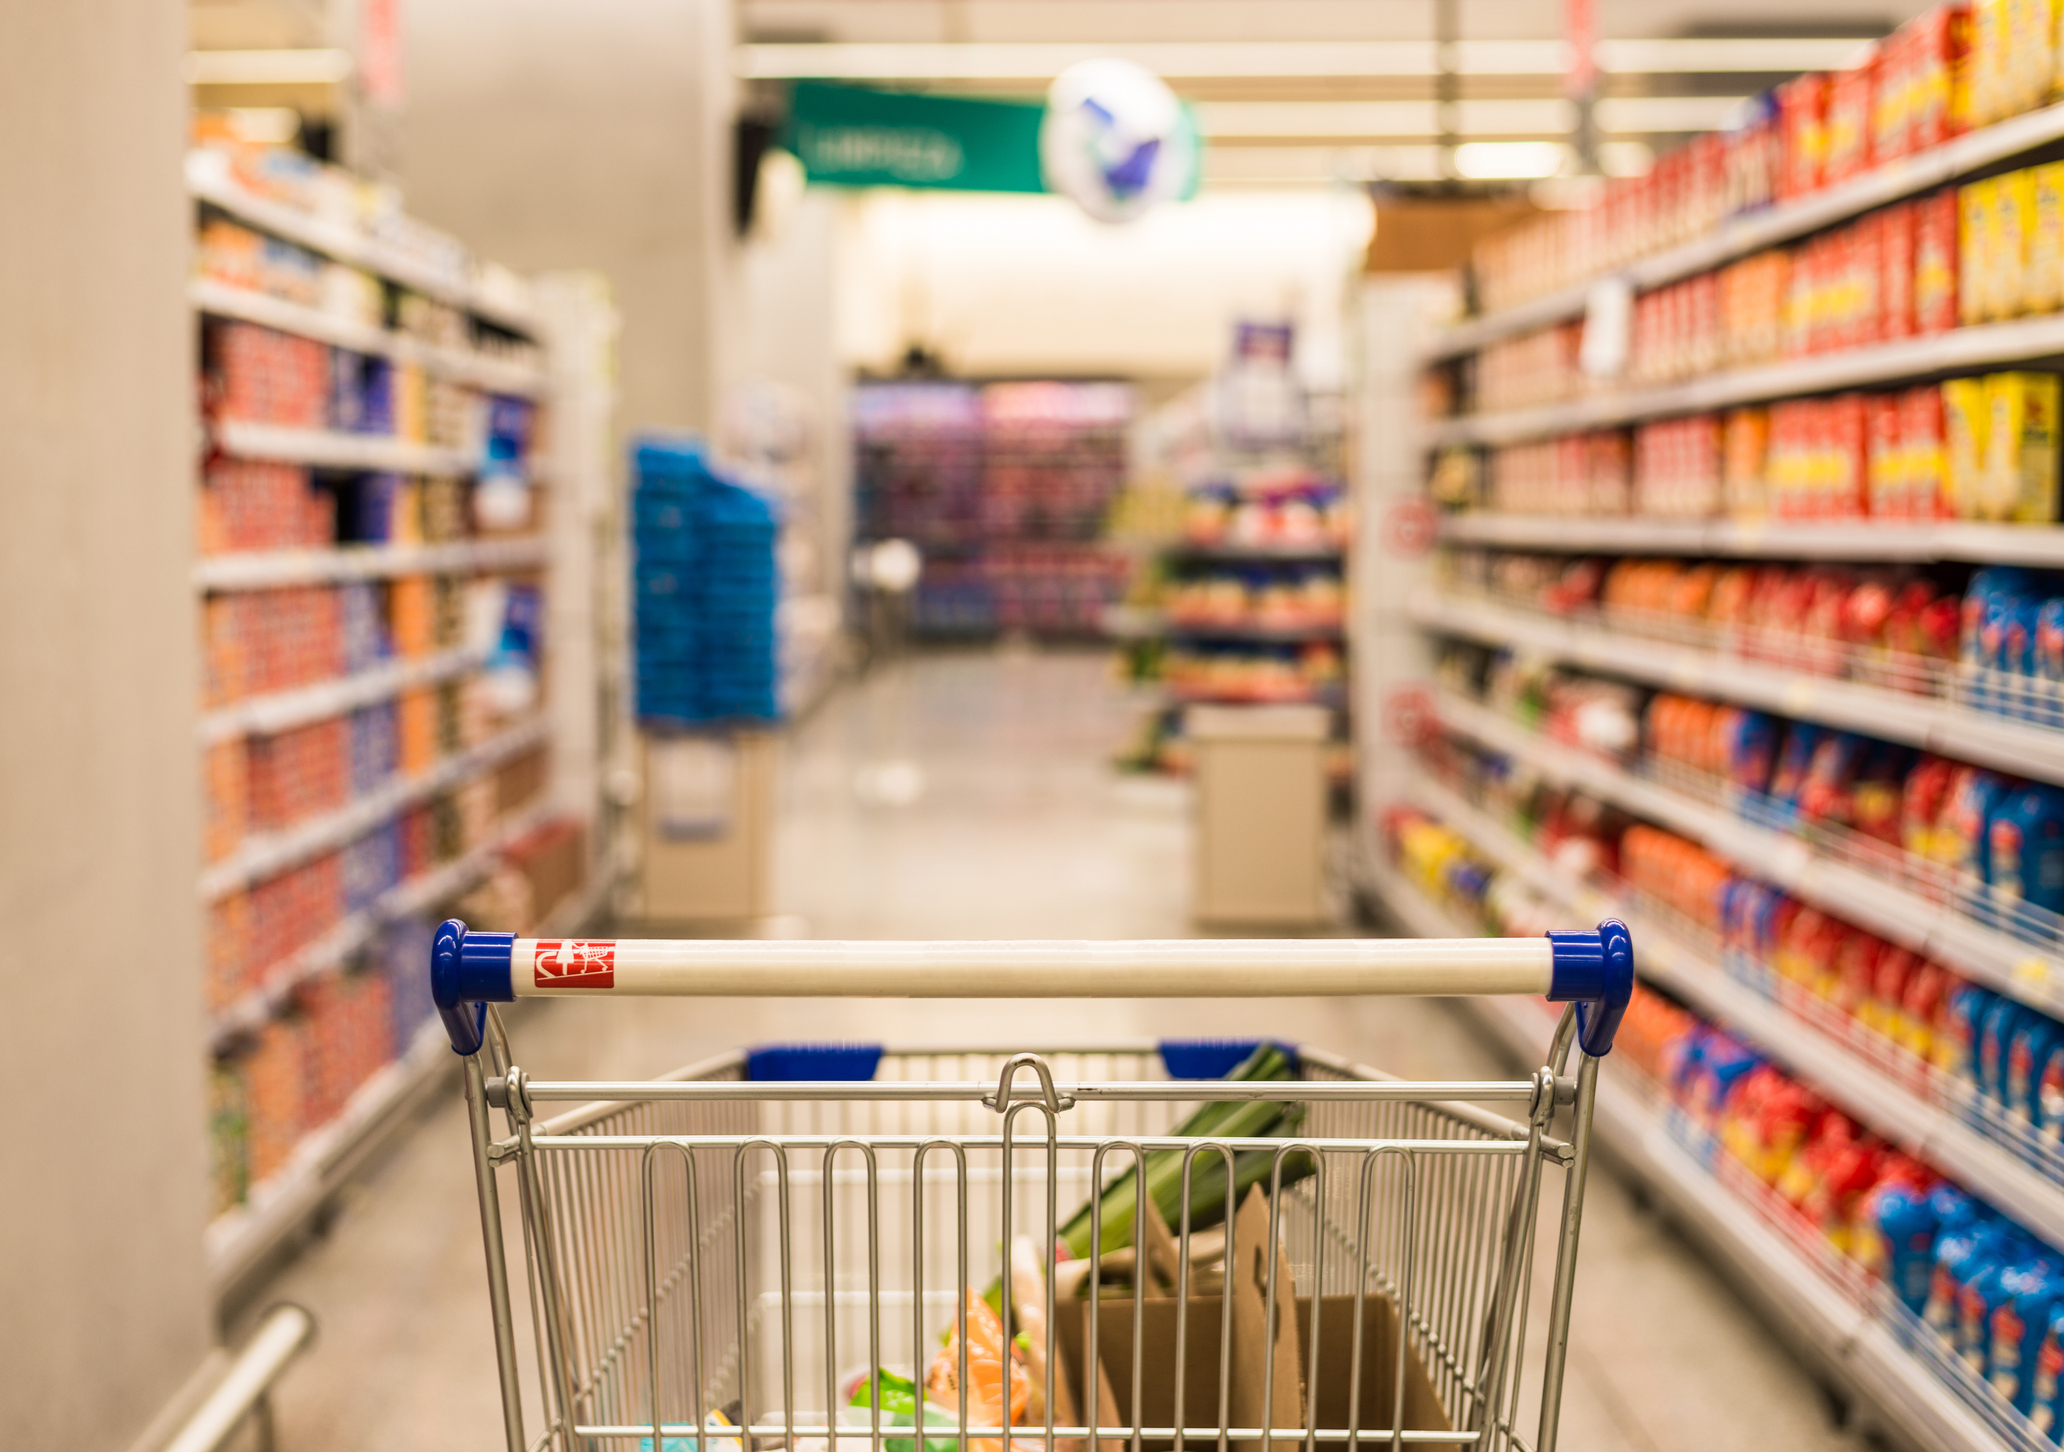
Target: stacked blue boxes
x=707, y=587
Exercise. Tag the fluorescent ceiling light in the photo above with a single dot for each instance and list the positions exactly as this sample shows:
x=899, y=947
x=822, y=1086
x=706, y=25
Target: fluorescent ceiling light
x=1287, y=120
x=1041, y=61
x=1509, y=160
x=266, y=67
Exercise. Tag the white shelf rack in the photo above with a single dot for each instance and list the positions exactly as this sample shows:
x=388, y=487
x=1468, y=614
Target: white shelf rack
x=1752, y=232
x=1971, y=736
x=240, y=1240
x=1960, y=350
x=497, y=375
x=1928, y=1130
x=334, y=449
x=284, y=710
x=1997, y=960
x=270, y=569
x=1877, y=541
x=1858, y=1348
x=264, y=856
x=207, y=181
x=336, y=947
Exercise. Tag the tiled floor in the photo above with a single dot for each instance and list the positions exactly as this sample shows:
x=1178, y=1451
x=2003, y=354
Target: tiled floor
x=967, y=796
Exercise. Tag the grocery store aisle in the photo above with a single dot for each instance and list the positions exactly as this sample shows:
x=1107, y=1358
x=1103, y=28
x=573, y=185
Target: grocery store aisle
x=967, y=794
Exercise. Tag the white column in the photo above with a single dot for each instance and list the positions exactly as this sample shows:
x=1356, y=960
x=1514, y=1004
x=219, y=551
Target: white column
x=103, y=1196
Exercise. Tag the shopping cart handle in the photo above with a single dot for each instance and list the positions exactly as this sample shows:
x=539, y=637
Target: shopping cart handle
x=1593, y=968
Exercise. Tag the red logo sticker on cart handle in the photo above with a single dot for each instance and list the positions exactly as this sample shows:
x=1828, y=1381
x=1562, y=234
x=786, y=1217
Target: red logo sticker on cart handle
x=574, y=963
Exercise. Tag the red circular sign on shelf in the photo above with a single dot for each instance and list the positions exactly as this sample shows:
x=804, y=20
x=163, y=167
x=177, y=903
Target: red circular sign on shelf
x=1408, y=715
x=1409, y=527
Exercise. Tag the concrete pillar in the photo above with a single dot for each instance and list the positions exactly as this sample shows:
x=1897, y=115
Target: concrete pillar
x=103, y=1195
x=552, y=135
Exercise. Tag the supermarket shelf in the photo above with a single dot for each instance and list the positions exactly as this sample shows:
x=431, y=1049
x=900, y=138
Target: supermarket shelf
x=1333, y=698
x=263, y=856
x=284, y=710
x=1318, y=552
x=2000, y=962
x=332, y=449
x=207, y=182
x=1132, y=622
x=268, y=569
x=220, y=300
x=240, y=1240
x=1960, y=350
x=1927, y=1130
x=1972, y=736
x=1739, y=236
x=2036, y=545
x=336, y=947
x=1908, y=1398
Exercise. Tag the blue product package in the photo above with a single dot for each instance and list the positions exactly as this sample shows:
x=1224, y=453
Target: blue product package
x=1995, y=1033
x=2048, y=1096
x=1981, y=601
x=2034, y=1043
x=1955, y=1248
x=2025, y=856
x=2048, y=656
x=1952, y=1206
x=2049, y=1362
x=1794, y=761
x=1749, y=739
x=2019, y=1322
x=1907, y=1222
x=1963, y=1018
x=1983, y=1291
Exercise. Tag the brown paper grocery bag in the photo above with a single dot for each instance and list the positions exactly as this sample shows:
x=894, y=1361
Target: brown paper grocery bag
x=1329, y=1381
x=1253, y=1349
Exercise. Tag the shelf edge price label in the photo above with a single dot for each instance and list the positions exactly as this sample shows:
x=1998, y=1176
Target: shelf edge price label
x=1410, y=525
x=1410, y=716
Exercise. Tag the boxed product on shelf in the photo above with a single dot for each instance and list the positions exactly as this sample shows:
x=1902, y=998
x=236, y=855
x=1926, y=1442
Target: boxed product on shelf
x=259, y=375
x=298, y=773
x=417, y=832
x=416, y=730
x=361, y=393
x=275, y=1074
x=371, y=866
x=249, y=504
x=520, y=780
x=258, y=641
x=349, y=1037
x=225, y=795
x=1907, y=94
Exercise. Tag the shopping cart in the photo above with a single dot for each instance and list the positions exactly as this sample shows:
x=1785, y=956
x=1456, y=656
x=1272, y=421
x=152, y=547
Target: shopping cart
x=787, y=1249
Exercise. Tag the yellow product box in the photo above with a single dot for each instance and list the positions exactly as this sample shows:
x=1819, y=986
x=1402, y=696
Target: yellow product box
x=1975, y=206
x=2013, y=222
x=2019, y=478
x=2031, y=53
x=2042, y=289
x=1965, y=427
x=1988, y=61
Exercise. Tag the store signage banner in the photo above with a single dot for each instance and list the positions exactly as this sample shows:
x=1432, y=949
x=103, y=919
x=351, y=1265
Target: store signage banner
x=852, y=137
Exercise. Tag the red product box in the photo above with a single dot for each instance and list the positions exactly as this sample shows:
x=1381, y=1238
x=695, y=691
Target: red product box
x=1896, y=271
x=1850, y=94
x=1848, y=457
x=276, y=1073
x=1941, y=45
x=296, y=774
x=1935, y=263
x=250, y=505
x=1802, y=121
x=1886, y=424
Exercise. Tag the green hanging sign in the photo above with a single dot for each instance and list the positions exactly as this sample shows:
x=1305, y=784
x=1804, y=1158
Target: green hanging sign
x=848, y=136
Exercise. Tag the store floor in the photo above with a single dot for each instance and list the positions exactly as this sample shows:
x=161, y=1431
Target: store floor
x=967, y=795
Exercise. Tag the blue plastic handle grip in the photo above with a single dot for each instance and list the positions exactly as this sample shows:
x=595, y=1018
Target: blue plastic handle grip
x=1594, y=969
x=468, y=971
